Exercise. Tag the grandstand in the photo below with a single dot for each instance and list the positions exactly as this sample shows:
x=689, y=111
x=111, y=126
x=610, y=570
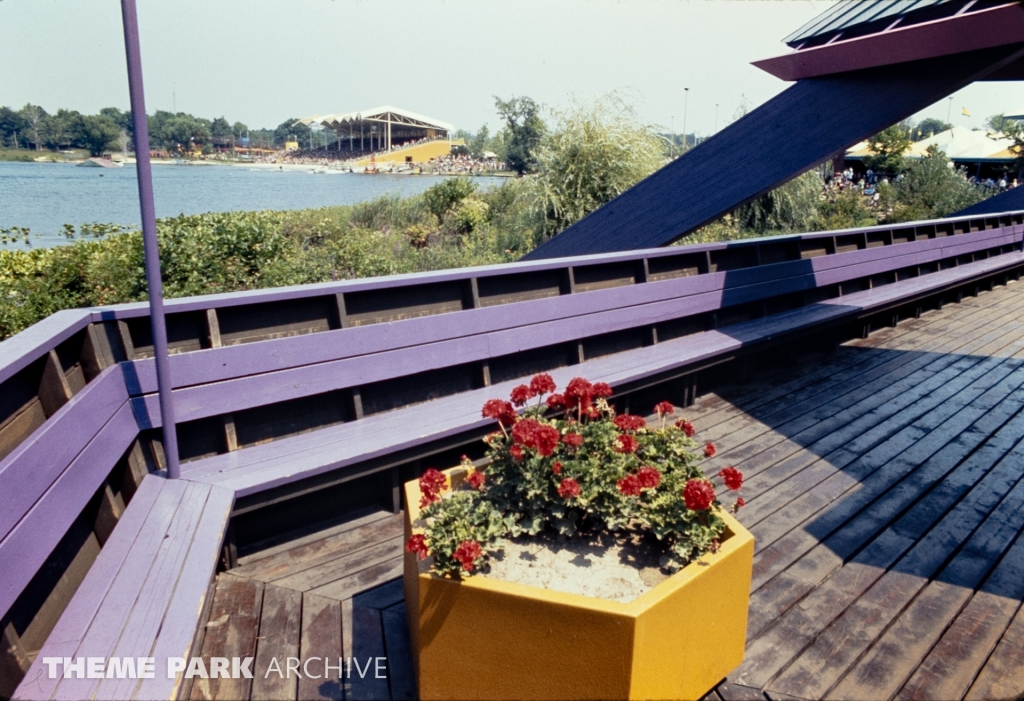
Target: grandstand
x=386, y=129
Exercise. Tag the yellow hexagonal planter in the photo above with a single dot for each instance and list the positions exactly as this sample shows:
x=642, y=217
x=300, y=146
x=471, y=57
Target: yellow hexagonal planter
x=482, y=638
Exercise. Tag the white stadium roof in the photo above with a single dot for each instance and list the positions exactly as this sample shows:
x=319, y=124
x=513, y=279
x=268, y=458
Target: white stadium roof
x=383, y=114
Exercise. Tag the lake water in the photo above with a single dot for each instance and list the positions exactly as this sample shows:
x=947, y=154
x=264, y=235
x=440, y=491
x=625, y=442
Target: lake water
x=43, y=196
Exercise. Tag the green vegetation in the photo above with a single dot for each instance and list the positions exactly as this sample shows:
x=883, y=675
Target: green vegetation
x=591, y=154
x=17, y=154
x=930, y=187
x=112, y=130
x=595, y=152
x=209, y=253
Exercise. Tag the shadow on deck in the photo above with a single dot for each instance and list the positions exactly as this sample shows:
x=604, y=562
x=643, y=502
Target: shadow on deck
x=884, y=490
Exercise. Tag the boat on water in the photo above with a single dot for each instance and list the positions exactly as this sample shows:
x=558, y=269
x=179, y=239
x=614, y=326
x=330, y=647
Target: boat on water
x=97, y=162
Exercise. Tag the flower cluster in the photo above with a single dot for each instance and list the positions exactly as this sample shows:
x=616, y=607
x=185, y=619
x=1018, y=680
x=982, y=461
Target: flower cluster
x=568, y=461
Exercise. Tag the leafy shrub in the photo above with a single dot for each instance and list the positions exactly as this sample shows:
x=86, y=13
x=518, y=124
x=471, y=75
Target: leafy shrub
x=447, y=194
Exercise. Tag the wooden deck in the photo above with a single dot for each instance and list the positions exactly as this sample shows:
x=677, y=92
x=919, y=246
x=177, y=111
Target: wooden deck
x=884, y=488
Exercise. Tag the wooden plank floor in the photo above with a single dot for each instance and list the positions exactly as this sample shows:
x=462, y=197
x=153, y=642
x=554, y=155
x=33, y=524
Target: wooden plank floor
x=884, y=488
x=333, y=594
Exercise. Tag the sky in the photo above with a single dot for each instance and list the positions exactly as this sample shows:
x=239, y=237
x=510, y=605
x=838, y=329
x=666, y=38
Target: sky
x=264, y=61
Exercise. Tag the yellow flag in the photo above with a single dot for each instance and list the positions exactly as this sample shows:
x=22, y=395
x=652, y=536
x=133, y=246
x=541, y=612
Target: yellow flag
x=965, y=112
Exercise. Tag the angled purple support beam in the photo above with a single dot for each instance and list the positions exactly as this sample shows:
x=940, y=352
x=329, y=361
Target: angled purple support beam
x=791, y=133
x=145, y=178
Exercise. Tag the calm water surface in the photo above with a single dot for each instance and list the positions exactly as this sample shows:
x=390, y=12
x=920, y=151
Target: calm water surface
x=43, y=196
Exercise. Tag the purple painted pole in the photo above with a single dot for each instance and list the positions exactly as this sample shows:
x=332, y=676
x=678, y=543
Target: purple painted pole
x=145, y=178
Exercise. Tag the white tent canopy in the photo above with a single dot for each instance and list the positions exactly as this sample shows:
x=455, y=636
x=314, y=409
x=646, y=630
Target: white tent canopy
x=958, y=143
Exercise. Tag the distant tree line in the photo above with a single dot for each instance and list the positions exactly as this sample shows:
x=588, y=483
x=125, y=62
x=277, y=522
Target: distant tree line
x=32, y=127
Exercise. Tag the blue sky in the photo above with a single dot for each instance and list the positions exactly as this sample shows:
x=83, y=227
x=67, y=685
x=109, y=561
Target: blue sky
x=262, y=61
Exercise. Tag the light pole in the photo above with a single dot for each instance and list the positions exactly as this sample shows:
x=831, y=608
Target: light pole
x=149, y=239
x=686, y=103
x=949, y=108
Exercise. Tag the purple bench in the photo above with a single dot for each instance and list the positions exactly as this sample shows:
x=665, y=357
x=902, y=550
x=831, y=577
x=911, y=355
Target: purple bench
x=221, y=380
x=145, y=596
x=289, y=460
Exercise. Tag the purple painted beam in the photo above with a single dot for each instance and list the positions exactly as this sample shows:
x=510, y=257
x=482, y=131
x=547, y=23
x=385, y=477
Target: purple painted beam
x=35, y=465
x=220, y=364
x=29, y=544
x=229, y=299
x=994, y=26
x=18, y=351
x=640, y=305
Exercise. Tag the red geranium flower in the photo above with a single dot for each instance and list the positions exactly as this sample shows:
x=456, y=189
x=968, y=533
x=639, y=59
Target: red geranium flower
x=686, y=427
x=698, y=495
x=740, y=503
x=573, y=439
x=629, y=422
x=556, y=401
x=516, y=452
x=533, y=434
x=467, y=553
x=475, y=479
x=569, y=488
x=500, y=410
x=649, y=477
x=579, y=393
x=710, y=450
x=431, y=484
x=521, y=394
x=602, y=389
x=542, y=384
x=664, y=408
x=557, y=468
x=522, y=432
x=733, y=478
x=417, y=544
x=629, y=486
x=625, y=444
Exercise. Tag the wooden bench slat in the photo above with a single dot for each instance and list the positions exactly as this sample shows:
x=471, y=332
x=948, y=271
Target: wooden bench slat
x=75, y=622
x=128, y=584
x=35, y=465
x=27, y=546
x=186, y=605
x=143, y=618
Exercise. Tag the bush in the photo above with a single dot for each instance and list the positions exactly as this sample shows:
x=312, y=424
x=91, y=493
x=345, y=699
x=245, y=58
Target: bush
x=443, y=197
x=597, y=152
x=929, y=188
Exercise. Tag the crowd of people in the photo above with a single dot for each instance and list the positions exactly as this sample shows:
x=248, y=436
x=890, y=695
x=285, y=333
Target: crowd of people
x=464, y=164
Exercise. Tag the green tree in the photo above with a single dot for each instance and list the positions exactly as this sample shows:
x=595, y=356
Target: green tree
x=930, y=188
x=888, y=147
x=292, y=130
x=220, y=132
x=792, y=207
x=596, y=152
x=998, y=122
x=59, y=129
x=525, y=131
x=35, y=118
x=930, y=127
x=98, y=133
x=12, y=126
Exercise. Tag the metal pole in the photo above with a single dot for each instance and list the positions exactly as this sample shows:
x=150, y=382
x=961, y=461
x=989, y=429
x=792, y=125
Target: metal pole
x=686, y=103
x=145, y=180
